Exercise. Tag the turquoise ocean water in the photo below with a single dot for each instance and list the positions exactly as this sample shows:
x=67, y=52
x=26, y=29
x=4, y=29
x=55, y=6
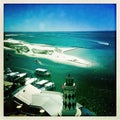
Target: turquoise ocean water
x=96, y=47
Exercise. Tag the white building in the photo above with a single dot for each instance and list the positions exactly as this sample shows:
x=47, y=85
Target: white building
x=54, y=103
x=50, y=101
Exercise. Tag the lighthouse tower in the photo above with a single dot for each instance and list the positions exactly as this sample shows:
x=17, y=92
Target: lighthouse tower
x=69, y=99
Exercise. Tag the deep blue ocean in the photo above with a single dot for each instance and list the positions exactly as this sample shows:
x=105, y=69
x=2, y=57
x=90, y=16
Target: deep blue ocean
x=96, y=84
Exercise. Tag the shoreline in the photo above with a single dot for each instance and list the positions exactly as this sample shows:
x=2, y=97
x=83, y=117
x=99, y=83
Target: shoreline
x=53, y=53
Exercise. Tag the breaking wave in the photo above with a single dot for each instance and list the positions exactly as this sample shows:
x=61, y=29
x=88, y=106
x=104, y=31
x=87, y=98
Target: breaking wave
x=103, y=43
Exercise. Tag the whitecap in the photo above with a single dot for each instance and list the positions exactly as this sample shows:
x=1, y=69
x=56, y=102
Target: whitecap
x=103, y=43
x=9, y=35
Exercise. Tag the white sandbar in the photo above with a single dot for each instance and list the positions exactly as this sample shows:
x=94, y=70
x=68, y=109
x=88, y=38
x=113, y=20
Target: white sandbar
x=57, y=54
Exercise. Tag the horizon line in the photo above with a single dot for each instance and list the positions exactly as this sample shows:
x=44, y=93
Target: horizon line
x=67, y=31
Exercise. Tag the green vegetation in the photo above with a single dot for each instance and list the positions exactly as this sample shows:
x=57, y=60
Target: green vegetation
x=17, y=46
x=11, y=45
x=37, y=51
x=58, y=50
x=20, y=49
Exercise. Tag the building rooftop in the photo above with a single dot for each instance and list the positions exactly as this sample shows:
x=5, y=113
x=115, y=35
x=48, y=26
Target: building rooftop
x=42, y=82
x=50, y=101
x=49, y=84
x=25, y=94
x=30, y=80
x=40, y=69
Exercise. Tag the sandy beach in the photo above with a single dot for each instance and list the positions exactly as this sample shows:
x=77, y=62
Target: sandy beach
x=47, y=51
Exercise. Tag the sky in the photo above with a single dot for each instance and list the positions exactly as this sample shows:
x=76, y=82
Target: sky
x=59, y=17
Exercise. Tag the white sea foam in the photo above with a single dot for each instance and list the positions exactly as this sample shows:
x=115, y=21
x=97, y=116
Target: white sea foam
x=9, y=35
x=14, y=41
x=103, y=43
x=100, y=42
